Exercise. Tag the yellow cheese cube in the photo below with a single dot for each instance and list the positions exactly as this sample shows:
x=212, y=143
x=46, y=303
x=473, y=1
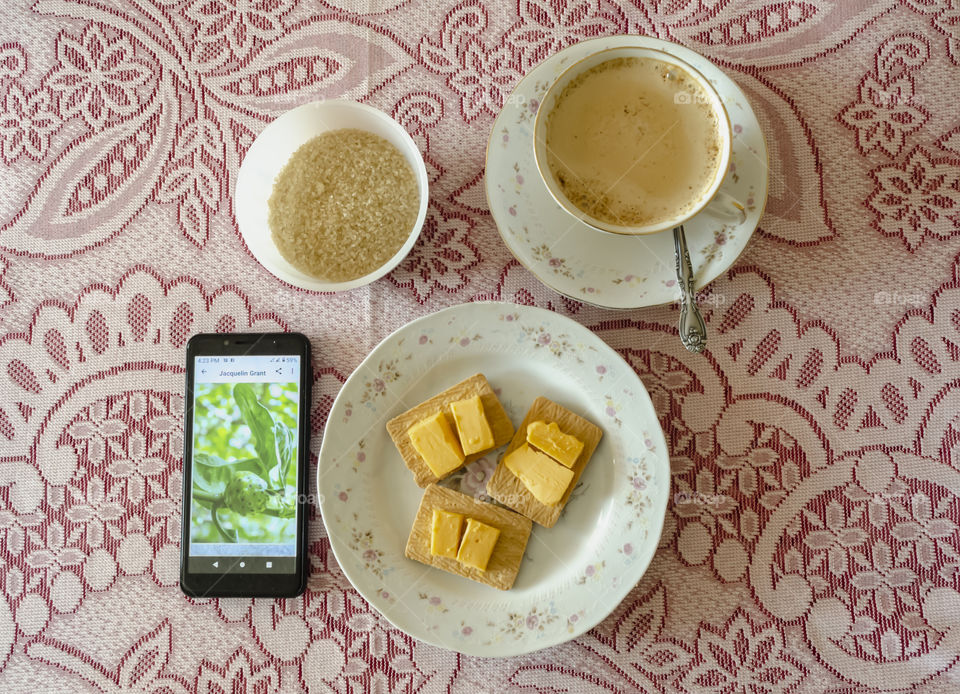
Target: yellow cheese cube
x=546, y=479
x=436, y=443
x=477, y=544
x=445, y=535
x=472, y=425
x=563, y=448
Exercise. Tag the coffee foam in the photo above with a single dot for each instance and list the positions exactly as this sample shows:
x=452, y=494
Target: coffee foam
x=633, y=141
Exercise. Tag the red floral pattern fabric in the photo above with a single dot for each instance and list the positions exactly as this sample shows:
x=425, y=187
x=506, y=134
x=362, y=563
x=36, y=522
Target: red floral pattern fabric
x=813, y=540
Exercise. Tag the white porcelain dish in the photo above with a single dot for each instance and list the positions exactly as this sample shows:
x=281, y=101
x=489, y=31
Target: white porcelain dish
x=270, y=152
x=573, y=574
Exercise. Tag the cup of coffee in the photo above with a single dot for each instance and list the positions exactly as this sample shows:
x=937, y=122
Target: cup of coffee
x=634, y=141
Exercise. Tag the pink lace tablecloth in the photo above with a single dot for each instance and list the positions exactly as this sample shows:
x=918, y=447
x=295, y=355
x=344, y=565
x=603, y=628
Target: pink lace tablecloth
x=813, y=545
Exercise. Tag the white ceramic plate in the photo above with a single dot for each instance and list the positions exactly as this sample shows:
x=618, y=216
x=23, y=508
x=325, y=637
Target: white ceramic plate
x=574, y=574
x=605, y=269
x=273, y=148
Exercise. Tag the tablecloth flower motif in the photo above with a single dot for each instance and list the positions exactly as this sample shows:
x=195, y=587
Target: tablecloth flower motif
x=95, y=432
x=885, y=580
x=665, y=378
x=440, y=259
x=484, y=78
x=139, y=462
x=639, y=630
x=887, y=109
x=480, y=73
x=27, y=123
x=238, y=675
x=97, y=77
x=917, y=199
x=837, y=538
x=927, y=534
x=337, y=641
x=46, y=581
x=547, y=26
x=237, y=24
x=884, y=114
x=742, y=656
x=97, y=513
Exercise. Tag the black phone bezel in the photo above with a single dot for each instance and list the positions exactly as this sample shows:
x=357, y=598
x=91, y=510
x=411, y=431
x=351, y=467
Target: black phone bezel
x=227, y=584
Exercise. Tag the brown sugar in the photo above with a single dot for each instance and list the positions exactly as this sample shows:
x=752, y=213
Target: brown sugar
x=343, y=205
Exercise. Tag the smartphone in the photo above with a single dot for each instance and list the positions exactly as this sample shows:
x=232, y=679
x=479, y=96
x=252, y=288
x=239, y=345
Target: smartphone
x=246, y=446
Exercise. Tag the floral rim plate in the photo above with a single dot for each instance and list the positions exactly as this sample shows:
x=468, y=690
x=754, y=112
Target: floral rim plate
x=608, y=270
x=574, y=574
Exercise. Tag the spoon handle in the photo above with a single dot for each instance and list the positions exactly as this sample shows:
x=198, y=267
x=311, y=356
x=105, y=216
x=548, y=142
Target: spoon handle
x=693, y=330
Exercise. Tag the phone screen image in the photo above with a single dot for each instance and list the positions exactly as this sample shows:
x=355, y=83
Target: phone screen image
x=243, y=497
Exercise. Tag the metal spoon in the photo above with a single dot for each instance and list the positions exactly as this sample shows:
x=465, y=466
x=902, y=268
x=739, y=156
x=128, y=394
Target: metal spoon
x=693, y=331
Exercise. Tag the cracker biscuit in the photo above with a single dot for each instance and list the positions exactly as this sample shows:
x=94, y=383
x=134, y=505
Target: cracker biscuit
x=507, y=488
x=497, y=418
x=507, y=553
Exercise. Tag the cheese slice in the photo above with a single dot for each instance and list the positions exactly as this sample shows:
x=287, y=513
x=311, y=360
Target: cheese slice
x=546, y=479
x=445, y=534
x=436, y=443
x=472, y=425
x=563, y=448
x=477, y=545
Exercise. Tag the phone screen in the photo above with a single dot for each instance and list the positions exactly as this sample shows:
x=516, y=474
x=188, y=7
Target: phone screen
x=243, y=497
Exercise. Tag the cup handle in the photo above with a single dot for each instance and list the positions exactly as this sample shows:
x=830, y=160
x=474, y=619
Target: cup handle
x=727, y=208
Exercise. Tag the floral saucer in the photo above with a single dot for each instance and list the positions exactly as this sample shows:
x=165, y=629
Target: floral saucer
x=573, y=574
x=604, y=269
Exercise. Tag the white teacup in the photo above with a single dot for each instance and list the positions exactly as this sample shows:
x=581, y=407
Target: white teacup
x=600, y=147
